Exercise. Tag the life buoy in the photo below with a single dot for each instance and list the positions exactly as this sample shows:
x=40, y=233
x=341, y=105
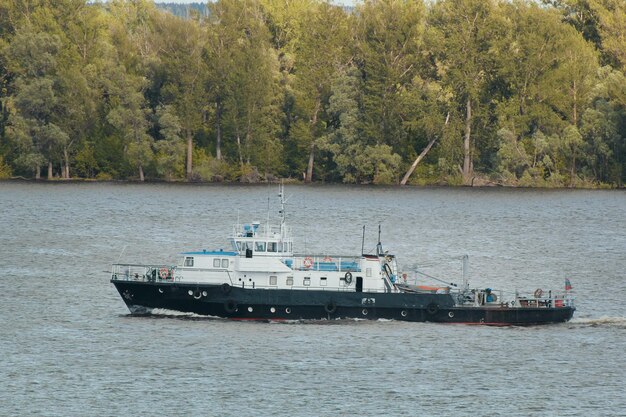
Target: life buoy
x=432, y=309
x=308, y=262
x=328, y=259
x=538, y=293
x=163, y=273
x=230, y=306
x=225, y=287
x=348, y=278
x=330, y=307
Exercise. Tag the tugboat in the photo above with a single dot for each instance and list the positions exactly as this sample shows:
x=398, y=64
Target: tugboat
x=261, y=278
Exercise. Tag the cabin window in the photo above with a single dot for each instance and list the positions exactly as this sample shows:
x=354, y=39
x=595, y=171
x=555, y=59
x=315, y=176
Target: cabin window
x=259, y=246
x=280, y=246
x=216, y=263
x=273, y=280
x=271, y=246
x=307, y=281
x=368, y=272
x=224, y=263
x=289, y=281
x=323, y=281
x=188, y=261
x=238, y=245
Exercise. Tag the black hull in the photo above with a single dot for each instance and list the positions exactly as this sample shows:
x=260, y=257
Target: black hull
x=256, y=304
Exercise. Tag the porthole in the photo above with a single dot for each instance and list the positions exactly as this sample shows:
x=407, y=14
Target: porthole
x=190, y=292
x=288, y=310
x=451, y=314
x=204, y=293
x=250, y=309
x=403, y=313
x=364, y=311
x=273, y=310
x=161, y=290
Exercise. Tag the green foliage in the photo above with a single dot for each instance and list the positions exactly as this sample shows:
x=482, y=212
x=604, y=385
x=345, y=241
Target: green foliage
x=515, y=92
x=5, y=170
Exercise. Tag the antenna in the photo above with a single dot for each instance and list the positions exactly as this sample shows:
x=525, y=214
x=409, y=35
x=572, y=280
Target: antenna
x=465, y=272
x=363, y=242
x=379, y=247
x=267, y=223
x=121, y=253
x=281, y=194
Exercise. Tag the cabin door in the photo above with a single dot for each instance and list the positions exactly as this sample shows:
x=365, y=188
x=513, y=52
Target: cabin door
x=359, y=284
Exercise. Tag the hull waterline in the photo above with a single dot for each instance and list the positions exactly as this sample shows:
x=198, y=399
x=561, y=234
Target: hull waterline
x=250, y=304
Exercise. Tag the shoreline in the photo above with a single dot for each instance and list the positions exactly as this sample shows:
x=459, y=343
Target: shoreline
x=291, y=181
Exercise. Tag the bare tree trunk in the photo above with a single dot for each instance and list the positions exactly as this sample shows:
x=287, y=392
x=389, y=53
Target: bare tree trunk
x=239, y=148
x=467, y=164
x=141, y=178
x=38, y=172
x=421, y=155
x=417, y=161
x=573, y=169
x=189, y=156
x=218, y=128
x=66, y=171
x=49, y=170
x=309, y=169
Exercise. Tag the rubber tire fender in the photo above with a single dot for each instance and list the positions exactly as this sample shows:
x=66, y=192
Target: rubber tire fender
x=432, y=309
x=230, y=306
x=330, y=307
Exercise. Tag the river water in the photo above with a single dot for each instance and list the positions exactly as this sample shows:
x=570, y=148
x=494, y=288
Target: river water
x=70, y=348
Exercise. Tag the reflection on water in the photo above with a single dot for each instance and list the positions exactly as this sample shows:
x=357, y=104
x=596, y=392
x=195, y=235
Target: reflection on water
x=70, y=346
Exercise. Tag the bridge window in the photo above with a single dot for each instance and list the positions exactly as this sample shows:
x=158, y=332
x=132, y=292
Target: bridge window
x=289, y=281
x=271, y=246
x=224, y=263
x=216, y=263
x=307, y=281
x=188, y=261
x=323, y=281
x=280, y=246
x=259, y=246
x=273, y=280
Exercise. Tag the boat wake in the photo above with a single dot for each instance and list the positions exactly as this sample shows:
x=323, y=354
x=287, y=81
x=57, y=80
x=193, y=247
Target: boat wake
x=604, y=321
x=173, y=314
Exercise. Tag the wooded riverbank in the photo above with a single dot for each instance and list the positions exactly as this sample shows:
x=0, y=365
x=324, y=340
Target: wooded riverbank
x=453, y=92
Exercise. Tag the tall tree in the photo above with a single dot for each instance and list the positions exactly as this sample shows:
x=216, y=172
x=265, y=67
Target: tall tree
x=390, y=40
x=246, y=92
x=461, y=37
x=35, y=60
x=319, y=52
x=181, y=44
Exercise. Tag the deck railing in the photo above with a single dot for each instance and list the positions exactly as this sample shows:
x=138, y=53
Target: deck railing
x=324, y=263
x=130, y=272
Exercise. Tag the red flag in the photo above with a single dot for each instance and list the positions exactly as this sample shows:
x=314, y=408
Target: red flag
x=568, y=285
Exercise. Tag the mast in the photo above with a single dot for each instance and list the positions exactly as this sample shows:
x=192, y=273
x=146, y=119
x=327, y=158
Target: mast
x=281, y=194
x=465, y=272
x=363, y=242
x=379, y=246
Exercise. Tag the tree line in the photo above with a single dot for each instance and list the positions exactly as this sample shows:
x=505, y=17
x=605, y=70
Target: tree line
x=444, y=92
